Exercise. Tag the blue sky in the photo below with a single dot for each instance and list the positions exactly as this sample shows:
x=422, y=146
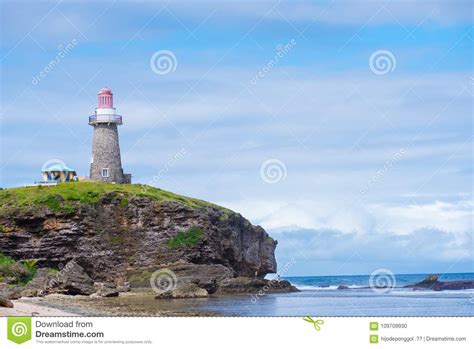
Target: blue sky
x=373, y=163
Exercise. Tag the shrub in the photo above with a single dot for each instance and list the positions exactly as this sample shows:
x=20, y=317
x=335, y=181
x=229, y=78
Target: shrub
x=52, y=202
x=18, y=272
x=56, y=204
x=124, y=202
x=186, y=238
x=5, y=260
x=30, y=264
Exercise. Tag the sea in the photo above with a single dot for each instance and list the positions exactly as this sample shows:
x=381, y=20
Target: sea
x=320, y=296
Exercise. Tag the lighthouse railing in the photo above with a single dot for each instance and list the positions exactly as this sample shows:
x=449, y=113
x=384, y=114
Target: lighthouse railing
x=105, y=118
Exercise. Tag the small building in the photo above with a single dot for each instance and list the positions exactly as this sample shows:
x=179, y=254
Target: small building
x=59, y=173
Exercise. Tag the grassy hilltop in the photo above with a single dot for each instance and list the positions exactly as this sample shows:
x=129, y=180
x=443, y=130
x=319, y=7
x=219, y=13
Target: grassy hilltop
x=66, y=197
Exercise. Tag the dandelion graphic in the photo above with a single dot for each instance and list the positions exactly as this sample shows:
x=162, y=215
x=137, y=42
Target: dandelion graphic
x=316, y=323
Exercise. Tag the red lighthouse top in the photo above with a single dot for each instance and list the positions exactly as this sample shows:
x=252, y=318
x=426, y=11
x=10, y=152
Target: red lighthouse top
x=106, y=98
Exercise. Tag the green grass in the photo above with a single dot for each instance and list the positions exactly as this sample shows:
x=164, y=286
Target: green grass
x=55, y=204
x=66, y=197
x=188, y=238
x=21, y=272
x=2, y=229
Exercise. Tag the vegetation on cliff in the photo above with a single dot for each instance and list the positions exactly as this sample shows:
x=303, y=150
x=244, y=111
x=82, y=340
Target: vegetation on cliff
x=186, y=238
x=14, y=272
x=65, y=198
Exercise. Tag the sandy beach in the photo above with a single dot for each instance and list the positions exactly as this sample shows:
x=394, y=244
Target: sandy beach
x=127, y=304
x=27, y=308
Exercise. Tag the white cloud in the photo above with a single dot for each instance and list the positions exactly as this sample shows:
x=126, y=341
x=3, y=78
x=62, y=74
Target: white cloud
x=356, y=218
x=451, y=217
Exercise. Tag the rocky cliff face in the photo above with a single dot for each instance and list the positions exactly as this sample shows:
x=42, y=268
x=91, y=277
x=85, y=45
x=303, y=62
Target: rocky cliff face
x=120, y=236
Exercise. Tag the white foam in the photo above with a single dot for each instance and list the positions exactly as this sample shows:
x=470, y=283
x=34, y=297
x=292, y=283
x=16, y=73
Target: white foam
x=320, y=288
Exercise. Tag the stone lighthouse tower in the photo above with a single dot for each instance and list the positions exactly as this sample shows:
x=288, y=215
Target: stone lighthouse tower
x=106, y=165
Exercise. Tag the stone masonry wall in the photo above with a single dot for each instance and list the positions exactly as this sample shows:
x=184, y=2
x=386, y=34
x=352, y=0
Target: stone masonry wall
x=106, y=154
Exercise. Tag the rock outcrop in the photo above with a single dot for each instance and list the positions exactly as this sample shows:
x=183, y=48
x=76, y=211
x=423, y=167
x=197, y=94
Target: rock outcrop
x=254, y=285
x=122, y=236
x=5, y=302
x=443, y=285
x=184, y=290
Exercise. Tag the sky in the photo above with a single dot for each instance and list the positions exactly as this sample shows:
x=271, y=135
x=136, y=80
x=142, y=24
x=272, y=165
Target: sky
x=343, y=128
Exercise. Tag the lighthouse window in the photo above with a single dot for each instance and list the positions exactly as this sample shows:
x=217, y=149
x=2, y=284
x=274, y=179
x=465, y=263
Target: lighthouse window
x=105, y=172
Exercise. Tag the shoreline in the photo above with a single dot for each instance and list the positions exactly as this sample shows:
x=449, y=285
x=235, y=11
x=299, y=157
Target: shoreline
x=21, y=307
x=143, y=304
x=127, y=304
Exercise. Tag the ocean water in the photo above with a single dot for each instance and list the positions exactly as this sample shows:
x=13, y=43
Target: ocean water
x=319, y=296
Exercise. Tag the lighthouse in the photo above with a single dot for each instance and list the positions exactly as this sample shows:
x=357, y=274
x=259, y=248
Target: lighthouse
x=106, y=164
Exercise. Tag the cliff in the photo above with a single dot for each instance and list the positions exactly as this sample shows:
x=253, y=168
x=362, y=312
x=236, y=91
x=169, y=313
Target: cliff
x=123, y=233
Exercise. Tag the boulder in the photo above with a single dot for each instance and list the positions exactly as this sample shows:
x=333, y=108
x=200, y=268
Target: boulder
x=184, y=290
x=73, y=280
x=42, y=279
x=453, y=285
x=11, y=292
x=125, y=287
x=436, y=285
x=5, y=302
x=207, y=276
x=342, y=287
x=29, y=292
x=105, y=290
x=254, y=285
